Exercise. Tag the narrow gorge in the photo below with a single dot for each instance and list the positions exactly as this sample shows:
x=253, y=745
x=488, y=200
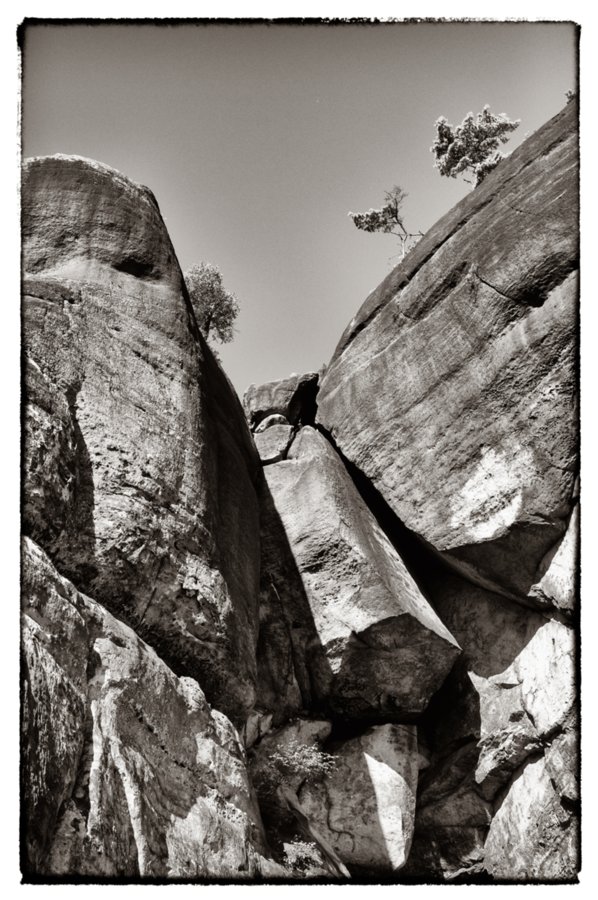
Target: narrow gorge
x=329, y=631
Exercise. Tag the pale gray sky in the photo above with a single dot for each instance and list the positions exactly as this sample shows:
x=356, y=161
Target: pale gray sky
x=258, y=140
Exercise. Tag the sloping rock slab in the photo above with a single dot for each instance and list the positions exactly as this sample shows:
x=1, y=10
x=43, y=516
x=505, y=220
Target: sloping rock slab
x=126, y=769
x=454, y=388
x=366, y=806
x=140, y=468
x=386, y=649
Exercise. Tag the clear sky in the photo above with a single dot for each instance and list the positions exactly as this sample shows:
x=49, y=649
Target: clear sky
x=258, y=140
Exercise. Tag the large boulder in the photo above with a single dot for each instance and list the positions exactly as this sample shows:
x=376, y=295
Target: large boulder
x=293, y=397
x=140, y=468
x=454, y=388
x=365, y=807
x=126, y=769
x=350, y=596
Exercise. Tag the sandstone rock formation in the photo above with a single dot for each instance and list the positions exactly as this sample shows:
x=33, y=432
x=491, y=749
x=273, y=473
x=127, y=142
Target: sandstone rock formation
x=453, y=389
x=127, y=770
x=386, y=651
x=140, y=468
x=370, y=572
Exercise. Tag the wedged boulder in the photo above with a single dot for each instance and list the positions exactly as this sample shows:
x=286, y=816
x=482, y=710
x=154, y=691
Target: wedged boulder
x=454, y=388
x=126, y=769
x=272, y=443
x=365, y=807
x=293, y=397
x=533, y=836
x=136, y=440
x=386, y=651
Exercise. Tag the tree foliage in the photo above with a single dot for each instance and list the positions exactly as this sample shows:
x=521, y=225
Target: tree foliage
x=215, y=308
x=388, y=220
x=293, y=759
x=472, y=146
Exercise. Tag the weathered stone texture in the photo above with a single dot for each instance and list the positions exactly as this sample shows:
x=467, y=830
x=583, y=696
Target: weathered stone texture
x=386, y=650
x=140, y=476
x=533, y=837
x=128, y=771
x=454, y=388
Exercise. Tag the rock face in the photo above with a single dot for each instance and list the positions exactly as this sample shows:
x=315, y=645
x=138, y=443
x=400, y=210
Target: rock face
x=342, y=643
x=366, y=806
x=129, y=771
x=510, y=697
x=532, y=836
x=386, y=651
x=140, y=469
x=453, y=389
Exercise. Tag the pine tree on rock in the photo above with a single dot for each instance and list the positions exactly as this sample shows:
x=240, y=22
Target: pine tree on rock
x=388, y=220
x=471, y=147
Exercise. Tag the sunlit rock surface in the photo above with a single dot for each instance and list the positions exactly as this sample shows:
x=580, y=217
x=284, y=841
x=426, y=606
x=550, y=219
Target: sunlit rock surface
x=385, y=648
x=454, y=388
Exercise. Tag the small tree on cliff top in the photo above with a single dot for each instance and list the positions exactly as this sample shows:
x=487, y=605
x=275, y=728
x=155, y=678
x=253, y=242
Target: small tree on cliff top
x=472, y=146
x=215, y=308
x=388, y=220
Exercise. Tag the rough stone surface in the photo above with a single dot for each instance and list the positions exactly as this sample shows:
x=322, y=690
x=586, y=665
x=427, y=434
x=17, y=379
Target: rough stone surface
x=273, y=443
x=366, y=806
x=293, y=397
x=128, y=772
x=140, y=469
x=509, y=697
x=386, y=650
x=532, y=835
x=514, y=686
x=559, y=585
x=454, y=388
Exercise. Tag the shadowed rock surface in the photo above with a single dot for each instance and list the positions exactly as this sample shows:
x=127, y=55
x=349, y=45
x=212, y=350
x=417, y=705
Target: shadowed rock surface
x=453, y=389
x=136, y=439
